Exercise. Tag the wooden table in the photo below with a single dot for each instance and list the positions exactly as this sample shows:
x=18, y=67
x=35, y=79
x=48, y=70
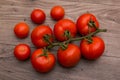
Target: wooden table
x=107, y=67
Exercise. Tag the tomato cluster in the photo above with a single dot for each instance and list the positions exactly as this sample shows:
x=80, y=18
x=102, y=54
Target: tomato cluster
x=65, y=30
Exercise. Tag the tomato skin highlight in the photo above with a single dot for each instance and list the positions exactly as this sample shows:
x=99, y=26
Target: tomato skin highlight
x=82, y=23
x=22, y=52
x=38, y=16
x=61, y=26
x=92, y=50
x=21, y=30
x=42, y=64
x=38, y=33
x=70, y=56
x=57, y=12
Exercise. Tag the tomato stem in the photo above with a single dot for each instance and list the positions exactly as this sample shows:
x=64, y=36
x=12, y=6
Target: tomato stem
x=64, y=46
x=76, y=39
x=89, y=35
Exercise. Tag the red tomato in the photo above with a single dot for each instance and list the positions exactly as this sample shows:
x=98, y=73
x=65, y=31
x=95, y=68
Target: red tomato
x=62, y=26
x=37, y=36
x=42, y=63
x=38, y=16
x=22, y=52
x=70, y=56
x=57, y=12
x=92, y=50
x=21, y=30
x=86, y=22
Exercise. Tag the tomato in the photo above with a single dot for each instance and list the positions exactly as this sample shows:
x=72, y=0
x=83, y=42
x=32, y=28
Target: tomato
x=57, y=12
x=70, y=56
x=38, y=34
x=87, y=23
x=64, y=29
x=21, y=30
x=38, y=16
x=92, y=50
x=42, y=63
x=22, y=51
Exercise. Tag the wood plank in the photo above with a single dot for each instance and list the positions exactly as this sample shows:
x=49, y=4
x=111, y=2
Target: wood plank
x=105, y=68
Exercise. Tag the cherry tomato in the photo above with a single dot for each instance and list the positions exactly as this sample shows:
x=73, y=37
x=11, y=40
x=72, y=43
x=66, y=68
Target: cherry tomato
x=64, y=29
x=87, y=23
x=21, y=30
x=92, y=50
x=38, y=16
x=57, y=12
x=70, y=56
x=42, y=63
x=38, y=36
x=22, y=51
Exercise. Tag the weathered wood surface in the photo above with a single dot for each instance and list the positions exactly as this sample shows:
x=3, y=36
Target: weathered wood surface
x=105, y=68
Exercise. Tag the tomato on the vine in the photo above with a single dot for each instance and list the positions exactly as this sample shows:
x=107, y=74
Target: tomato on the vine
x=64, y=29
x=38, y=16
x=21, y=30
x=70, y=56
x=40, y=34
x=57, y=12
x=42, y=62
x=22, y=51
x=92, y=50
x=87, y=23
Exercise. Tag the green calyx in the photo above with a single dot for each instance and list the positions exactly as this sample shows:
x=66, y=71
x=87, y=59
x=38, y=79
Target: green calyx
x=89, y=39
x=67, y=34
x=91, y=24
x=45, y=52
x=47, y=38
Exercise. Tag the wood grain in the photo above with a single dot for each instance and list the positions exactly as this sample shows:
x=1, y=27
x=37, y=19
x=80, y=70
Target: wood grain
x=105, y=68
